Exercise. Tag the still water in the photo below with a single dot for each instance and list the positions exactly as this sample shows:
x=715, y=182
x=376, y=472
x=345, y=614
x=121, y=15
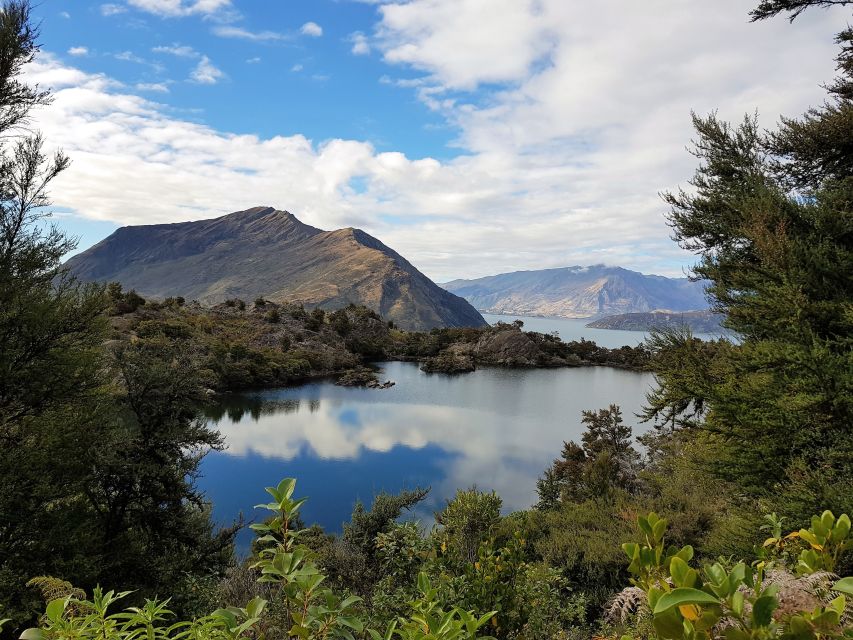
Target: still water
x=574, y=329
x=494, y=428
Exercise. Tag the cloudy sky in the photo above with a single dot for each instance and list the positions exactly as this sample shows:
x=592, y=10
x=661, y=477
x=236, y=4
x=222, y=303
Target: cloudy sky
x=473, y=136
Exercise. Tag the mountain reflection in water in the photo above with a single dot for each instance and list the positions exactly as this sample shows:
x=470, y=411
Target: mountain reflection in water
x=495, y=428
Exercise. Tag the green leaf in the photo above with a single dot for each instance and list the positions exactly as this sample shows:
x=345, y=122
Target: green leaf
x=762, y=610
x=352, y=622
x=845, y=585
x=645, y=526
x=659, y=529
x=827, y=521
x=56, y=608
x=737, y=603
x=683, y=595
x=733, y=633
x=842, y=528
x=669, y=625
x=286, y=487
x=678, y=569
x=33, y=634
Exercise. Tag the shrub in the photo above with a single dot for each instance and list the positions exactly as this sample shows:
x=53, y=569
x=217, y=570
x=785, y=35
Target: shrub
x=741, y=601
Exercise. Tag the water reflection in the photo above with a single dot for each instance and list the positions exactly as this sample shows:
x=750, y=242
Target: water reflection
x=495, y=428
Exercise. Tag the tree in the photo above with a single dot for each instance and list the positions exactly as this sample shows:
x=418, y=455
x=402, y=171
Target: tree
x=51, y=330
x=769, y=8
x=95, y=453
x=153, y=524
x=605, y=460
x=48, y=326
x=770, y=218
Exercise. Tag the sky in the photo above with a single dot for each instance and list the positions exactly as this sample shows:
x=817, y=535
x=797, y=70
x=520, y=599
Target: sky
x=473, y=136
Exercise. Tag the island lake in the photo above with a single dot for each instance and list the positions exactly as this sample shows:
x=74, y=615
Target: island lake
x=494, y=428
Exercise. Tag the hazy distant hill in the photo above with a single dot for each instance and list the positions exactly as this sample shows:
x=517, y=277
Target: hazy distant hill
x=699, y=321
x=579, y=292
x=265, y=252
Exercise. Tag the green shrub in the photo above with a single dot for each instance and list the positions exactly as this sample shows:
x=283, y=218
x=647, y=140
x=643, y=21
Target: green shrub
x=741, y=601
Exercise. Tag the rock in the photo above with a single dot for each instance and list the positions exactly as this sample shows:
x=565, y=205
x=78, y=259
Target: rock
x=362, y=377
x=509, y=347
x=457, y=358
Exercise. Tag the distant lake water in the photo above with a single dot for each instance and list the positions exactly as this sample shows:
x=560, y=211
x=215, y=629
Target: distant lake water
x=574, y=329
x=494, y=428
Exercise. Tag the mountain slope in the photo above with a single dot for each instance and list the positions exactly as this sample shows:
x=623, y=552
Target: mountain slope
x=265, y=252
x=698, y=321
x=579, y=292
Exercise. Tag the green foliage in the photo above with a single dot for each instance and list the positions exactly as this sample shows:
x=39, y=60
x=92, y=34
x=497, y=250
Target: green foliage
x=76, y=501
x=366, y=525
x=430, y=621
x=316, y=319
x=768, y=215
x=827, y=538
x=72, y=617
x=314, y=610
x=605, y=461
x=689, y=604
x=123, y=301
x=467, y=520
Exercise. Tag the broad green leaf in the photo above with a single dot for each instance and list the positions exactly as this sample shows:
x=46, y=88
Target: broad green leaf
x=762, y=610
x=842, y=528
x=56, y=608
x=669, y=625
x=684, y=595
x=845, y=585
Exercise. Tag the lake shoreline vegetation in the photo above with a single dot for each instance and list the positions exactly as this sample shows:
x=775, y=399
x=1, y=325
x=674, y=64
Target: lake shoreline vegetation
x=729, y=520
x=263, y=344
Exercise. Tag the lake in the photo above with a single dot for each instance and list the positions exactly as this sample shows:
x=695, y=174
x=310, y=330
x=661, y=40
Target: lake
x=574, y=329
x=494, y=428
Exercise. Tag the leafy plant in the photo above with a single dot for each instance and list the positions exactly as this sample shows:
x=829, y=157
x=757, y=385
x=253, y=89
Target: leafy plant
x=688, y=604
x=429, y=621
x=827, y=538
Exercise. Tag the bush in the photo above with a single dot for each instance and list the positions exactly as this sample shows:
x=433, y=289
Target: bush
x=798, y=599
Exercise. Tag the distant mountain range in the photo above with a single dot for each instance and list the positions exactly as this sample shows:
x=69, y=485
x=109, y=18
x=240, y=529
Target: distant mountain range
x=269, y=253
x=579, y=292
x=698, y=321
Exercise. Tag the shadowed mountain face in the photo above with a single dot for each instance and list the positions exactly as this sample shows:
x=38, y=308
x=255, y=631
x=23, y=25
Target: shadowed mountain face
x=579, y=292
x=269, y=253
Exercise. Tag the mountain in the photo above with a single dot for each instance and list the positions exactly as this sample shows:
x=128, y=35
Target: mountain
x=269, y=253
x=699, y=321
x=579, y=292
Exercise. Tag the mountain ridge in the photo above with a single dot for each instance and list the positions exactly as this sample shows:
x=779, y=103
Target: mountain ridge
x=266, y=252
x=579, y=292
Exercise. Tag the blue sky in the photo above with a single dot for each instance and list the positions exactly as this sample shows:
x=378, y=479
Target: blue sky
x=473, y=136
x=290, y=79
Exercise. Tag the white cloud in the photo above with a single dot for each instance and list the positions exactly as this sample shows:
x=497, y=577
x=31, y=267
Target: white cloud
x=465, y=42
x=206, y=73
x=254, y=60
x=112, y=9
x=78, y=51
x=297, y=68
x=179, y=50
x=360, y=43
x=181, y=8
x=311, y=29
x=228, y=31
x=129, y=56
x=64, y=14
x=158, y=87
x=579, y=118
